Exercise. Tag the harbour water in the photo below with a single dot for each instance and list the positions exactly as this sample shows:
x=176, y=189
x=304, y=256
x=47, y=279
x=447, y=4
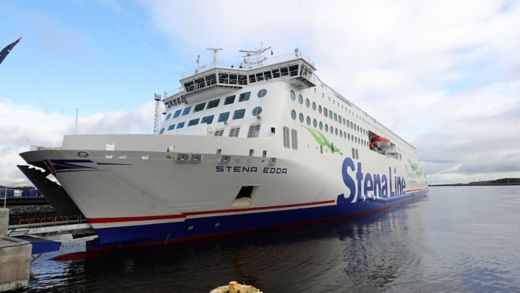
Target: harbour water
x=457, y=239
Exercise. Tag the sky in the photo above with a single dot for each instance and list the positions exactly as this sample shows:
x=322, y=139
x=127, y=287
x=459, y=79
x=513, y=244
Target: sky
x=444, y=75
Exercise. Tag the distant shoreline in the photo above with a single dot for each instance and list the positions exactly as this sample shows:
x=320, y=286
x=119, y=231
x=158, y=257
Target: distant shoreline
x=497, y=182
x=471, y=184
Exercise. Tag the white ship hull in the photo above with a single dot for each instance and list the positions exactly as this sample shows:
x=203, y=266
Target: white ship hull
x=137, y=189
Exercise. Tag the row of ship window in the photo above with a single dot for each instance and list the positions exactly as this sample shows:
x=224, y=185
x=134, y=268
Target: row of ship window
x=254, y=131
x=222, y=117
x=327, y=112
x=324, y=126
x=214, y=103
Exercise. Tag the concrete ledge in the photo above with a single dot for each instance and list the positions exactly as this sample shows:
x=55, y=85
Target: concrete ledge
x=15, y=263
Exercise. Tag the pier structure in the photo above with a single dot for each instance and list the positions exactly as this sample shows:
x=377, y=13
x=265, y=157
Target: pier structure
x=15, y=258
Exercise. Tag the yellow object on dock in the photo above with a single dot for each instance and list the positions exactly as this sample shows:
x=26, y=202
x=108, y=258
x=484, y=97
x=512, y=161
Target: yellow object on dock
x=234, y=287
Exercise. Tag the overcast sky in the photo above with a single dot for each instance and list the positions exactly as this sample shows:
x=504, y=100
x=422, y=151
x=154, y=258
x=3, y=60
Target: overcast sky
x=444, y=75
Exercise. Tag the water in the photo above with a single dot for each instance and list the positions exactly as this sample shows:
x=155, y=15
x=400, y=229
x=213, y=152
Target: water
x=458, y=239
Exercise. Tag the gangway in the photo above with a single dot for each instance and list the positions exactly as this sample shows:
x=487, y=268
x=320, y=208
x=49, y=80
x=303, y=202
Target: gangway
x=53, y=228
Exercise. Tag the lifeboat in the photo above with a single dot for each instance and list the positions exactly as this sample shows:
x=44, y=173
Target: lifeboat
x=379, y=142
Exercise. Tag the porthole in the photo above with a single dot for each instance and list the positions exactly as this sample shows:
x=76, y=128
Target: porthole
x=300, y=99
x=261, y=93
x=314, y=123
x=307, y=103
x=82, y=154
x=293, y=115
x=319, y=109
x=321, y=125
x=293, y=95
x=308, y=120
x=314, y=106
x=257, y=111
x=326, y=127
x=301, y=118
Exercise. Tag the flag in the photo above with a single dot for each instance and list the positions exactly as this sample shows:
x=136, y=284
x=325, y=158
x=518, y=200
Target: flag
x=5, y=51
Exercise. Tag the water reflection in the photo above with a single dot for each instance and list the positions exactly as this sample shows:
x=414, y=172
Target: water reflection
x=365, y=254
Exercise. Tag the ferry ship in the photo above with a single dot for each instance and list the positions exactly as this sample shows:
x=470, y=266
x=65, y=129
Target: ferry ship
x=239, y=148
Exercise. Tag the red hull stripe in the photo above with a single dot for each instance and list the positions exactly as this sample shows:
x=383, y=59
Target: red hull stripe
x=415, y=190
x=183, y=215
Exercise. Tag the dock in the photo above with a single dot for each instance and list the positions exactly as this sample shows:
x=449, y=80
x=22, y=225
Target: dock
x=20, y=244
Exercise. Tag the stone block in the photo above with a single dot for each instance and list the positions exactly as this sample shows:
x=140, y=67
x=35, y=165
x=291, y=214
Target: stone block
x=4, y=221
x=15, y=263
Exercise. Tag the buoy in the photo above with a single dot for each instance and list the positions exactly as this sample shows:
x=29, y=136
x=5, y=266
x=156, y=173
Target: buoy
x=235, y=287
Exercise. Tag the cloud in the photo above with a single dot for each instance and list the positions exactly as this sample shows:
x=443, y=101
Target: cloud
x=442, y=74
x=23, y=125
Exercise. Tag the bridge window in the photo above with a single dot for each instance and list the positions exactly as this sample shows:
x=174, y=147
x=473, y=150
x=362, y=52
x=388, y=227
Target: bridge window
x=177, y=113
x=186, y=111
x=168, y=116
x=223, y=117
x=180, y=125
x=171, y=127
x=242, y=79
x=244, y=96
x=213, y=104
x=207, y=119
x=261, y=93
x=162, y=131
x=239, y=114
x=199, y=107
x=193, y=122
x=293, y=70
x=229, y=100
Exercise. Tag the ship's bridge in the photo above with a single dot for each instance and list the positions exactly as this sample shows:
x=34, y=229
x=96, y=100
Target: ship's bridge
x=221, y=81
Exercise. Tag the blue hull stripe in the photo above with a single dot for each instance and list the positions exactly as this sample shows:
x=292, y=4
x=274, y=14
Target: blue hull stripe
x=193, y=228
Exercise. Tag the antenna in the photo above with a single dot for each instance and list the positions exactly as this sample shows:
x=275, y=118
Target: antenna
x=156, y=120
x=258, y=54
x=215, y=52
